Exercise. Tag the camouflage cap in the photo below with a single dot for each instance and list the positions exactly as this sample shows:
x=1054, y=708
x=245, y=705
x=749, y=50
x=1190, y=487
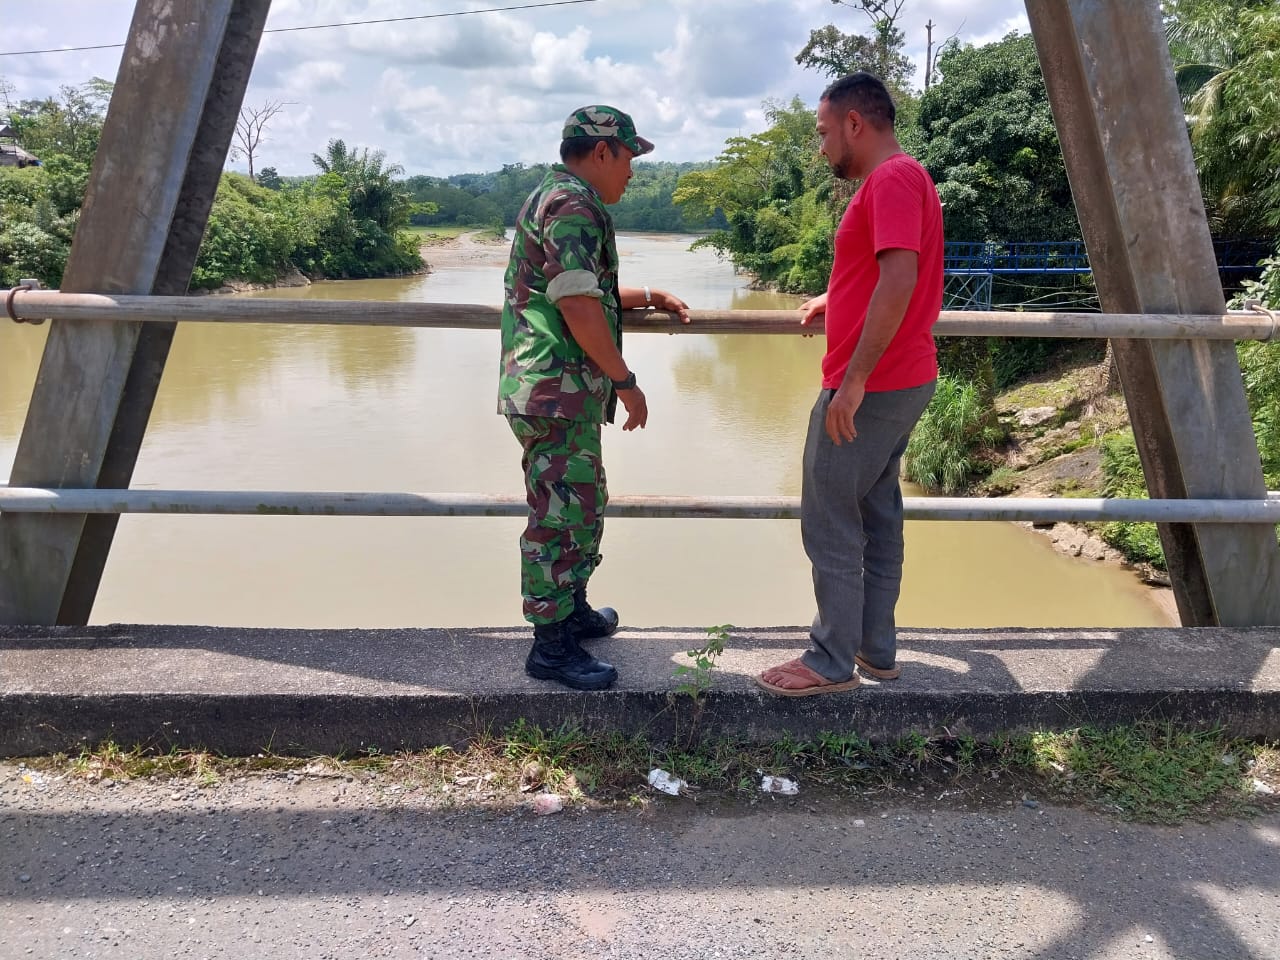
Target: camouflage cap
x=602, y=121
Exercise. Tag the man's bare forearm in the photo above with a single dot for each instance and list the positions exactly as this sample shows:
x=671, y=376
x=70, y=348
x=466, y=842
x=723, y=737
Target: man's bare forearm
x=586, y=321
x=885, y=312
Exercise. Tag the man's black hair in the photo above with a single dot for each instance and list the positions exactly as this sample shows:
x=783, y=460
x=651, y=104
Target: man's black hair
x=577, y=147
x=865, y=93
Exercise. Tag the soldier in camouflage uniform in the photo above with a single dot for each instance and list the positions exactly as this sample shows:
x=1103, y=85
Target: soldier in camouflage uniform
x=562, y=376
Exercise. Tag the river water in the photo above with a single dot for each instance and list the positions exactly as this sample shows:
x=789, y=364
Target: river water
x=384, y=409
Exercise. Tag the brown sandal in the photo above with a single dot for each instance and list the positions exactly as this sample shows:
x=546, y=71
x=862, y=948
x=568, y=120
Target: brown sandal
x=893, y=673
x=813, y=682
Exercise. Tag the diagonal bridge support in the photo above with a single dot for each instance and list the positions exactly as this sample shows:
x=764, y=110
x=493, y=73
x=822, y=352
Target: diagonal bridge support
x=1124, y=138
x=178, y=93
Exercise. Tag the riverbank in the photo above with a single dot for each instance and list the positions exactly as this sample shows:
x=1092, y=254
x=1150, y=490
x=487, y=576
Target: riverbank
x=474, y=249
x=1056, y=422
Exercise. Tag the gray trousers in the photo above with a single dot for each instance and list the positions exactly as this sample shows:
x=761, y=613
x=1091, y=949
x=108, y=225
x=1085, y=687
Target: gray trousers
x=851, y=525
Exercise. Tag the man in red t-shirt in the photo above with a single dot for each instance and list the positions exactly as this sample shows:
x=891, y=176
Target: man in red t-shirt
x=878, y=376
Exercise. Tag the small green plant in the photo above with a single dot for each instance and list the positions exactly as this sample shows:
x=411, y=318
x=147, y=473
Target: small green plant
x=916, y=747
x=1123, y=477
x=1003, y=480
x=697, y=675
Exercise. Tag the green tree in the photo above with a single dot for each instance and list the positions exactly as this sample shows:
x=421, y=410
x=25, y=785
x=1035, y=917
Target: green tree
x=367, y=241
x=68, y=125
x=777, y=196
x=374, y=195
x=250, y=235
x=35, y=237
x=992, y=148
x=269, y=177
x=836, y=54
x=1227, y=66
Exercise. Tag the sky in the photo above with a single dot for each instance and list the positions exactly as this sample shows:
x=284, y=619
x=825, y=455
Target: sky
x=470, y=93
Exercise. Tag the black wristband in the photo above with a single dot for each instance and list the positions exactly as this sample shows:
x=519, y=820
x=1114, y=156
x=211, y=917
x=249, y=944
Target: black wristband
x=627, y=383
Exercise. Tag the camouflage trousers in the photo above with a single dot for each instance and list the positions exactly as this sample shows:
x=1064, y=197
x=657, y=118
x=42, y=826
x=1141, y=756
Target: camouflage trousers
x=565, y=486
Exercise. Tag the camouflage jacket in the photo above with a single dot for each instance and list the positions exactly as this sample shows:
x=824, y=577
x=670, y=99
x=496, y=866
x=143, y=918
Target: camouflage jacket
x=564, y=246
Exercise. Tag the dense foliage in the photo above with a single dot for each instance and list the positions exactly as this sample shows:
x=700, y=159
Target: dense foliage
x=945, y=449
x=489, y=199
x=1123, y=478
x=779, y=199
x=35, y=227
x=345, y=222
x=1227, y=57
x=1260, y=365
x=991, y=146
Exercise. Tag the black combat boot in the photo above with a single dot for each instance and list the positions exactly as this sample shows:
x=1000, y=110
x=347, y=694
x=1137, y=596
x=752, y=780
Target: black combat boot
x=556, y=655
x=588, y=624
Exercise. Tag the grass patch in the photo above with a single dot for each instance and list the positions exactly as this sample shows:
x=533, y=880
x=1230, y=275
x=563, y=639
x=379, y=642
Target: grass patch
x=1152, y=773
x=1001, y=482
x=436, y=234
x=442, y=232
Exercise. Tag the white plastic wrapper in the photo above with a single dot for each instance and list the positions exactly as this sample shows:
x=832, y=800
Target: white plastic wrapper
x=547, y=803
x=661, y=780
x=772, y=784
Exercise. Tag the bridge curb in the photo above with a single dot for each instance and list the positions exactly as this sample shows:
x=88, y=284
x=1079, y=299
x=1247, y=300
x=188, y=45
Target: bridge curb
x=242, y=691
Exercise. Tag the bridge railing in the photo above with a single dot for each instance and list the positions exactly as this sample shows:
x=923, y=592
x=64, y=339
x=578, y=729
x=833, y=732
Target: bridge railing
x=28, y=305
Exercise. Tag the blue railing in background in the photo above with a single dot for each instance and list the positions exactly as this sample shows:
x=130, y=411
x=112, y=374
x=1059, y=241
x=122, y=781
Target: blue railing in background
x=971, y=266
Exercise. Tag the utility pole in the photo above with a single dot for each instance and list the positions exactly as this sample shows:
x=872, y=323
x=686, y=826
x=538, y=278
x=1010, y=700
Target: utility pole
x=928, y=56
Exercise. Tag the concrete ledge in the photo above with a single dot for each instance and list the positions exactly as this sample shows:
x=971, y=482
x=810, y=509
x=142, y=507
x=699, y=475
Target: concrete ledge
x=240, y=691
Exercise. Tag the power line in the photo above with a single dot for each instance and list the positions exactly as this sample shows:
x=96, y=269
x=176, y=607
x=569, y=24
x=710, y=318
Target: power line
x=324, y=26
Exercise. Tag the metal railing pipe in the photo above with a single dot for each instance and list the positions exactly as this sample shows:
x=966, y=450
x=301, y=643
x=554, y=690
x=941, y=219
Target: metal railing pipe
x=37, y=305
x=351, y=504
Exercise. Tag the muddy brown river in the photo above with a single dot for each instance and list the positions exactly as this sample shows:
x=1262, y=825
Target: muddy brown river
x=378, y=409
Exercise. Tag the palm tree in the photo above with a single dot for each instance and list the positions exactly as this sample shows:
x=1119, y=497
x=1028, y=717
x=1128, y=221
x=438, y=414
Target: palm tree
x=1227, y=67
x=372, y=193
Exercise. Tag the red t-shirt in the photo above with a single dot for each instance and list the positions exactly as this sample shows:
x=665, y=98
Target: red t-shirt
x=895, y=208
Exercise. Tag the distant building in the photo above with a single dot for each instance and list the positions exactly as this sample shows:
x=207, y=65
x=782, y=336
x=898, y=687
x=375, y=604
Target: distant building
x=12, y=155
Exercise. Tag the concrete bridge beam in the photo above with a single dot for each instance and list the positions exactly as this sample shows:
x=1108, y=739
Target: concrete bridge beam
x=1133, y=177
x=178, y=94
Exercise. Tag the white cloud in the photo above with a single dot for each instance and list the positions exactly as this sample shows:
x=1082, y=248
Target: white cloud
x=313, y=77
x=470, y=93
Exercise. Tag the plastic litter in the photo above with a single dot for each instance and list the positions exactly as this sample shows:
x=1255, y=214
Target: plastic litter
x=772, y=784
x=661, y=780
x=545, y=804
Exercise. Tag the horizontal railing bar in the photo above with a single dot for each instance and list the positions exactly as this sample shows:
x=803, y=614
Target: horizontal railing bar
x=37, y=305
x=300, y=503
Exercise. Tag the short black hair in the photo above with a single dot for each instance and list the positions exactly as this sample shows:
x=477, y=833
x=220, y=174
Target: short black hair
x=865, y=93
x=575, y=148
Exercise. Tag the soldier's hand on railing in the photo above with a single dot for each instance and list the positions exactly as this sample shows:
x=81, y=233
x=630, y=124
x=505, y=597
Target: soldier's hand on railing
x=672, y=304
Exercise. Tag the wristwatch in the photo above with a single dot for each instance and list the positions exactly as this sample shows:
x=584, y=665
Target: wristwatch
x=627, y=383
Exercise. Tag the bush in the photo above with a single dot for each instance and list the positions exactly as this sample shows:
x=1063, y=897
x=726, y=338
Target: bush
x=1260, y=365
x=22, y=188
x=249, y=236
x=957, y=425
x=28, y=251
x=1122, y=478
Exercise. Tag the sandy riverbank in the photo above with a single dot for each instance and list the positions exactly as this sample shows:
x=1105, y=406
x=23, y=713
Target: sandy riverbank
x=467, y=250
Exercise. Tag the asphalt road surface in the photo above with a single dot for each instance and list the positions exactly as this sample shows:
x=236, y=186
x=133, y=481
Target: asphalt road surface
x=285, y=866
